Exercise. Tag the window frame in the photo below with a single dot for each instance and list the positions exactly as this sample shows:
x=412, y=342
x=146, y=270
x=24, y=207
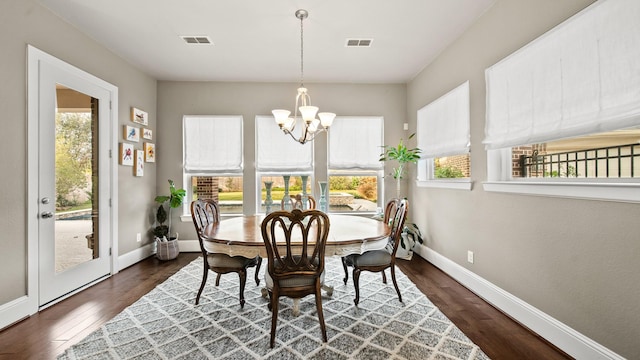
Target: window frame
x=500, y=180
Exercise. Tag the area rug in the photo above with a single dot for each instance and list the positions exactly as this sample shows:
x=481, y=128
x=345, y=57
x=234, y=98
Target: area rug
x=165, y=323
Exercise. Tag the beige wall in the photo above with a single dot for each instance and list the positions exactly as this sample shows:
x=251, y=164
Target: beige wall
x=575, y=260
x=176, y=99
x=24, y=22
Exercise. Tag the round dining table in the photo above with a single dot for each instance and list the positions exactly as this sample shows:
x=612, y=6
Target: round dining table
x=348, y=234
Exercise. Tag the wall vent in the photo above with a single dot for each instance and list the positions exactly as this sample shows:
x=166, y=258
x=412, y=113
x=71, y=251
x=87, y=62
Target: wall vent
x=197, y=39
x=358, y=42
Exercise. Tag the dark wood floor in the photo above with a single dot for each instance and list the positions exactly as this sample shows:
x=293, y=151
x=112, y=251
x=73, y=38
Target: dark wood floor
x=50, y=332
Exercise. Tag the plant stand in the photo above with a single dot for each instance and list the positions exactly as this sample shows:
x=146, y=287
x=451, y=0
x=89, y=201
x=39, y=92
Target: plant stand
x=286, y=199
x=323, y=196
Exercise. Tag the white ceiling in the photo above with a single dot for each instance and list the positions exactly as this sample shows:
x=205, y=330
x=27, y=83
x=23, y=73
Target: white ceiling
x=259, y=40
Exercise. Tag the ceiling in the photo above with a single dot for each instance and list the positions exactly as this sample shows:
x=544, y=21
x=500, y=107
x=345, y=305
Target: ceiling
x=259, y=40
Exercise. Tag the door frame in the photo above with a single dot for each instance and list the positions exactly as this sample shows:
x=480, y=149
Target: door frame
x=34, y=58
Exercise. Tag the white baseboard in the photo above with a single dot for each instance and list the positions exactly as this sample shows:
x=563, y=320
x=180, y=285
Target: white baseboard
x=189, y=246
x=16, y=310
x=135, y=256
x=567, y=339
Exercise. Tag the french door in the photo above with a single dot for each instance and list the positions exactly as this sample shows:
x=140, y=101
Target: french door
x=74, y=181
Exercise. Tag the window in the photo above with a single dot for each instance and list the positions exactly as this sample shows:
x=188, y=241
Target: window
x=213, y=161
x=443, y=136
x=565, y=105
x=354, y=170
x=278, y=155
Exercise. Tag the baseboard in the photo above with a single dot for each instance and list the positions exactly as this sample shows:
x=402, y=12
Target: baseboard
x=565, y=338
x=16, y=310
x=189, y=246
x=135, y=256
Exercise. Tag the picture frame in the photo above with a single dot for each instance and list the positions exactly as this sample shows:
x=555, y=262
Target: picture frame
x=131, y=133
x=149, y=152
x=147, y=134
x=126, y=154
x=138, y=166
x=139, y=116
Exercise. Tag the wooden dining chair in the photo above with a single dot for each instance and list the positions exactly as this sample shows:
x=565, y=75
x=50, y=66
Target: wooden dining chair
x=380, y=260
x=297, y=271
x=296, y=202
x=203, y=213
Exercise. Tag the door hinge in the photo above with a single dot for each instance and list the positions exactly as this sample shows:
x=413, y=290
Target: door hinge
x=110, y=105
x=109, y=251
x=110, y=155
x=109, y=202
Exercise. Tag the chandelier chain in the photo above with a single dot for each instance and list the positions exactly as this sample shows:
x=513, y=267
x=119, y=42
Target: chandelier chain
x=302, y=51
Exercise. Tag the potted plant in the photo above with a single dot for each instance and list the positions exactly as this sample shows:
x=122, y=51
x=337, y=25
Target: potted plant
x=167, y=246
x=403, y=155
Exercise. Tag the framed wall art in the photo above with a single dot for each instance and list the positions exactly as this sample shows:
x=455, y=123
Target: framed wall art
x=139, y=116
x=126, y=154
x=147, y=134
x=149, y=152
x=138, y=166
x=131, y=133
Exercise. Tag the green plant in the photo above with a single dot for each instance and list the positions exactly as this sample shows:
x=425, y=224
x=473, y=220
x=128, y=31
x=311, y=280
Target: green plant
x=403, y=155
x=447, y=172
x=175, y=199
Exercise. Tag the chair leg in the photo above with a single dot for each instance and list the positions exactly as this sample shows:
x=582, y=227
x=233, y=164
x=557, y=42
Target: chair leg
x=243, y=281
x=205, y=273
x=384, y=277
x=320, y=313
x=258, y=271
x=393, y=277
x=274, y=317
x=346, y=273
x=356, y=284
x=218, y=279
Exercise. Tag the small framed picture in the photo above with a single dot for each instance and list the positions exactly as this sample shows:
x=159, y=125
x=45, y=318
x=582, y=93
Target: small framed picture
x=138, y=166
x=131, y=133
x=139, y=116
x=147, y=134
x=126, y=154
x=149, y=152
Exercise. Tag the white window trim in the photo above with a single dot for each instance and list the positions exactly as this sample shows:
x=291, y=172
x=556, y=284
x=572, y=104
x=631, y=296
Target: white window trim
x=431, y=181
x=500, y=181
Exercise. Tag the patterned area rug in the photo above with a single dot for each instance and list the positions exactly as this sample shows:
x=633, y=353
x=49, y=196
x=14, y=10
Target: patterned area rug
x=165, y=324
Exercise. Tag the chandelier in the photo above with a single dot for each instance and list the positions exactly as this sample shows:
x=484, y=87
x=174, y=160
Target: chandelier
x=307, y=116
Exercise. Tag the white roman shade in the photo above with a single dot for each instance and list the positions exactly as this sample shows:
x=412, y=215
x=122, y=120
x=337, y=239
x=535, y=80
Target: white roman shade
x=278, y=152
x=581, y=77
x=212, y=143
x=443, y=125
x=355, y=143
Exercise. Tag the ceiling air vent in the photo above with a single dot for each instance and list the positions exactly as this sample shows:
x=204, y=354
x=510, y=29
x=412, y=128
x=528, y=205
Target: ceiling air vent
x=197, y=39
x=359, y=42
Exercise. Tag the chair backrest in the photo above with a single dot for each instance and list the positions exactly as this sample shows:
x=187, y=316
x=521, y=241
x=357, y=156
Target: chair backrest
x=397, y=218
x=390, y=209
x=295, y=242
x=296, y=202
x=203, y=213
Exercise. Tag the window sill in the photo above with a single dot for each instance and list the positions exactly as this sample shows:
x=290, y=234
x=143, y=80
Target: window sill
x=459, y=184
x=619, y=192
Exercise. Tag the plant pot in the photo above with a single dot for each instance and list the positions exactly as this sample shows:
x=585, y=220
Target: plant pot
x=167, y=249
x=405, y=252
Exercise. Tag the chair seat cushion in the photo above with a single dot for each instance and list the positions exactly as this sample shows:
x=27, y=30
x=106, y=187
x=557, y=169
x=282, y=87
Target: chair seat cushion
x=226, y=261
x=292, y=282
x=371, y=258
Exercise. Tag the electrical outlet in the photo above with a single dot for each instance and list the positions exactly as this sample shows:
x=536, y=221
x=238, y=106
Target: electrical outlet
x=139, y=237
x=470, y=256
x=406, y=126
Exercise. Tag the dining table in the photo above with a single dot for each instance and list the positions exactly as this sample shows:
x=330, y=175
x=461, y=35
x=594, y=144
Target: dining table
x=348, y=234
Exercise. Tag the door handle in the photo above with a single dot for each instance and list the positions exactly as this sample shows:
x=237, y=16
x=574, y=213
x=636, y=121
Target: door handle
x=46, y=214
